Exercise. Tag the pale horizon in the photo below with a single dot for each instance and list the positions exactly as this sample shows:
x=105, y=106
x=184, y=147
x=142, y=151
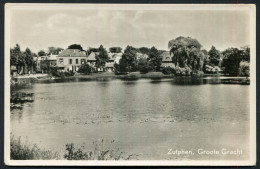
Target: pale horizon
x=40, y=29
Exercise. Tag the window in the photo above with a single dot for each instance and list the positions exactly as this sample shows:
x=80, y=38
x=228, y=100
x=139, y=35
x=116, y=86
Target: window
x=83, y=61
x=70, y=61
x=61, y=60
x=77, y=61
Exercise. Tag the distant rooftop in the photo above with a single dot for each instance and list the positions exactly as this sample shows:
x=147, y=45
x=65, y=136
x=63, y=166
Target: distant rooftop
x=113, y=56
x=92, y=56
x=72, y=53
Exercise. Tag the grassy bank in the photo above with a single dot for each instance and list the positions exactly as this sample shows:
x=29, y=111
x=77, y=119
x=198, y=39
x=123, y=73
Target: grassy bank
x=133, y=75
x=18, y=81
x=22, y=150
x=28, y=79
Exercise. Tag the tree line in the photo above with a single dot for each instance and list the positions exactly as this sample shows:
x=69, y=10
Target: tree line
x=22, y=60
x=188, y=57
x=129, y=61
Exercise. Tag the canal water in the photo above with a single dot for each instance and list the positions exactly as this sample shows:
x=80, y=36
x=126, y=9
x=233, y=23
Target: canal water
x=145, y=117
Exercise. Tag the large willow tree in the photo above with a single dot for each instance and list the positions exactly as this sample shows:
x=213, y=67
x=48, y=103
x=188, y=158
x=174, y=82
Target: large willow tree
x=187, y=52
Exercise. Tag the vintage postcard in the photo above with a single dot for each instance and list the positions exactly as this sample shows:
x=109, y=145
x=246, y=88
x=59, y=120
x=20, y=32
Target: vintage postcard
x=130, y=84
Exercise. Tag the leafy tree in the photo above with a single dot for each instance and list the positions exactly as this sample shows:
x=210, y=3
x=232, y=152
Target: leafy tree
x=202, y=58
x=44, y=66
x=143, y=65
x=144, y=50
x=85, y=68
x=120, y=68
x=115, y=49
x=54, y=50
x=155, y=59
x=231, y=61
x=90, y=50
x=102, y=57
x=75, y=46
x=183, y=42
x=168, y=70
x=244, y=68
x=205, y=52
x=128, y=62
x=15, y=54
x=245, y=53
x=21, y=61
x=186, y=52
x=214, y=56
x=29, y=58
x=41, y=53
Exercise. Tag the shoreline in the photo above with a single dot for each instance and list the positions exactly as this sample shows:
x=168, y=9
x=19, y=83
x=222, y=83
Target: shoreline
x=20, y=80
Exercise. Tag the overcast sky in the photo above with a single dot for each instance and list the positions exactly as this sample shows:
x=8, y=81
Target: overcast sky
x=40, y=29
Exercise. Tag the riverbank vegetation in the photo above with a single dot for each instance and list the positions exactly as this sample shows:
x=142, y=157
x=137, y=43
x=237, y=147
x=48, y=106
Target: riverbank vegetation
x=22, y=150
x=22, y=60
x=187, y=57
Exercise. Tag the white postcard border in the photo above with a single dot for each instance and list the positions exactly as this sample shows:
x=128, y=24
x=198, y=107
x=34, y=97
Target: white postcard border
x=252, y=142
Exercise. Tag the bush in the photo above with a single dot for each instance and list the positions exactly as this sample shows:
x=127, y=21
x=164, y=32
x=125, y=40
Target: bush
x=102, y=151
x=212, y=69
x=85, y=68
x=185, y=71
x=53, y=71
x=244, y=69
x=25, y=151
x=56, y=73
x=143, y=65
x=168, y=70
x=99, y=152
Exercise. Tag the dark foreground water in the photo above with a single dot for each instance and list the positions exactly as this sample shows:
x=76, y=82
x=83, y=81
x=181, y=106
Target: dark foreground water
x=146, y=117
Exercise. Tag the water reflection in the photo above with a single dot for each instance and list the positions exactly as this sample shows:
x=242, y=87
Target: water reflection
x=130, y=110
x=18, y=99
x=189, y=81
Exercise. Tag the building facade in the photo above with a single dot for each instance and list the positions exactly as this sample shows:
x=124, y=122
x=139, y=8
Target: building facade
x=71, y=59
x=51, y=60
x=167, y=60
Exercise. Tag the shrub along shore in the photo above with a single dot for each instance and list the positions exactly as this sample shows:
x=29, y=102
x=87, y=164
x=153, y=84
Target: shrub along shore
x=102, y=150
x=23, y=80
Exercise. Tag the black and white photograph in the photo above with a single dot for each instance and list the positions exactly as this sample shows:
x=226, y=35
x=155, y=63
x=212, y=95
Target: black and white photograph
x=130, y=84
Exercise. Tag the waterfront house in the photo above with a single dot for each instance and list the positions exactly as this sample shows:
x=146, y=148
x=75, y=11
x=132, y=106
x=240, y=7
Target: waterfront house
x=52, y=59
x=91, y=60
x=110, y=63
x=71, y=59
x=39, y=61
x=113, y=58
x=117, y=57
x=109, y=66
x=167, y=60
x=140, y=55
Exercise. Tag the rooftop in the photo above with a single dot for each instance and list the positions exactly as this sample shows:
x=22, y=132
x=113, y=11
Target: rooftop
x=72, y=53
x=92, y=56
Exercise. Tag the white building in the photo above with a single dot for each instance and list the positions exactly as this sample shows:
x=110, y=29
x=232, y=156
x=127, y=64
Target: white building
x=71, y=59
